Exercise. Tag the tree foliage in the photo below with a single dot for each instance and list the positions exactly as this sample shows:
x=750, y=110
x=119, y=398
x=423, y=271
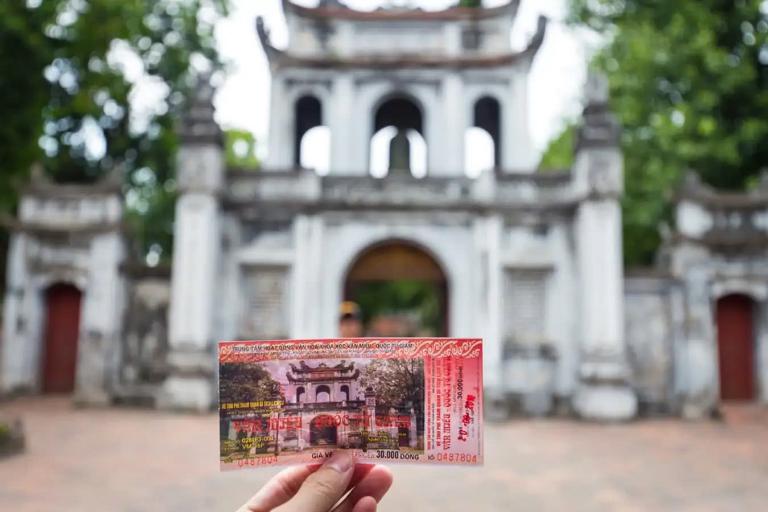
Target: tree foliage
x=689, y=82
x=77, y=79
x=247, y=382
x=559, y=152
x=397, y=383
x=402, y=296
x=241, y=150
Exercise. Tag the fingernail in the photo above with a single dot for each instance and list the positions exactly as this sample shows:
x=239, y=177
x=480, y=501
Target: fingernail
x=340, y=461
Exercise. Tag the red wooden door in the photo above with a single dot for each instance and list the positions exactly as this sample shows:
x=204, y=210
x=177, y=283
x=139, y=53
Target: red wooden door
x=62, y=329
x=736, y=347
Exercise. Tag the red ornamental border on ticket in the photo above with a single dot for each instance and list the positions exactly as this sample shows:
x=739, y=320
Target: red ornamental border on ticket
x=405, y=400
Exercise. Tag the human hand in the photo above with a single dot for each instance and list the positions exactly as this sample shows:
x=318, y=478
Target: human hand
x=313, y=488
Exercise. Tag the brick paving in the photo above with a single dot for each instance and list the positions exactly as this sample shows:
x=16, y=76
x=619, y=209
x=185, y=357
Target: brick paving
x=125, y=460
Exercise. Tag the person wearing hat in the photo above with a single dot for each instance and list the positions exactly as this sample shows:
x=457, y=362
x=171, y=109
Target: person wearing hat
x=350, y=320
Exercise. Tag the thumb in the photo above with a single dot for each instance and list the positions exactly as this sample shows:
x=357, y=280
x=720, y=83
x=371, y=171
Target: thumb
x=325, y=487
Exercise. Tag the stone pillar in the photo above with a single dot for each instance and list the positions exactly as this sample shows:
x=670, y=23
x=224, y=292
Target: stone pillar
x=191, y=360
x=13, y=374
x=281, y=123
x=603, y=391
x=516, y=150
x=449, y=156
x=342, y=112
x=413, y=433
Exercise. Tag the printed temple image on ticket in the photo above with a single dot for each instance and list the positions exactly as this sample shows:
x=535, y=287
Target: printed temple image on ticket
x=395, y=400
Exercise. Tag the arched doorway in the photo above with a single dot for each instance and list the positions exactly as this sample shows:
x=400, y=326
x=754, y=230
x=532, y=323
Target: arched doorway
x=401, y=289
x=736, y=347
x=62, y=330
x=322, y=431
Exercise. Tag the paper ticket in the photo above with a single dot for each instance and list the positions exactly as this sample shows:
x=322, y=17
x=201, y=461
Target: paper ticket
x=398, y=400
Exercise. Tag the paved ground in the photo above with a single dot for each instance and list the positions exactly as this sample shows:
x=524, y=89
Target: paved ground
x=122, y=460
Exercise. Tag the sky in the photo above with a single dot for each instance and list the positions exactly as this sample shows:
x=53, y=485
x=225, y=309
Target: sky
x=556, y=80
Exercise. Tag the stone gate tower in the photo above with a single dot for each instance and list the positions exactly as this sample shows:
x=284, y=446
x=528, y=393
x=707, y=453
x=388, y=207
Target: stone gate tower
x=437, y=73
x=530, y=261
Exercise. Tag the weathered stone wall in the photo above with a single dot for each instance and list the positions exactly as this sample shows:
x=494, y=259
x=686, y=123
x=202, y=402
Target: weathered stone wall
x=653, y=310
x=144, y=342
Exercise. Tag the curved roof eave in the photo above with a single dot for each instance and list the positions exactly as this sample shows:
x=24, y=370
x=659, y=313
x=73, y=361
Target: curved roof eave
x=341, y=12
x=284, y=59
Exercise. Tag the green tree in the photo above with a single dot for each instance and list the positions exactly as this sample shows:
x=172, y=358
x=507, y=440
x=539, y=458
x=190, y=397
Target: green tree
x=470, y=3
x=689, y=82
x=241, y=149
x=247, y=382
x=72, y=72
x=401, y=296
x=559, y=152
x=397, y=383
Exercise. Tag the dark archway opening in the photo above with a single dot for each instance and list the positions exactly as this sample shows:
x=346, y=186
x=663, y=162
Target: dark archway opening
x=487, y=115
x=736, y=347
x=308, y=115
x=401, y=291
x=322, y=394
x=62, y=331
x=399, y=124
x=322, y=431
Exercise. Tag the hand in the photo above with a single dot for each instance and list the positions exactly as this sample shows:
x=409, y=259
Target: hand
x=313, y=488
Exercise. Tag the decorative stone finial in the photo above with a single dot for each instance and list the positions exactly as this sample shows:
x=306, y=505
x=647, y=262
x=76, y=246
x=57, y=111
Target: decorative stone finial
x=198, y=125
x=599, y=128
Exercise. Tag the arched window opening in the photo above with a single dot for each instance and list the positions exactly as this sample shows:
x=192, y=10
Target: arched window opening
x=299, y=394
x=398, y=146
x=345, y=392
x=323, y=394
x=312, y=139
x=483, y=139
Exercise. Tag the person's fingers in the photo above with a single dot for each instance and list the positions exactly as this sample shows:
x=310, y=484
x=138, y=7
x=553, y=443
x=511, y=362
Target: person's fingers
x=361, y=470
x=285, y=484
x=323, y=488
x=281, y=488
x=374, y=485
x=366, y=504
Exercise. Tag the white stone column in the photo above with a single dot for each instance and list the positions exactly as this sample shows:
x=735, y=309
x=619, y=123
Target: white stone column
x=281, y=123
x=449, y=154
x=12, y=349
x=195, y=261
x=604, y=391
x=341, y=124
x=516, y=151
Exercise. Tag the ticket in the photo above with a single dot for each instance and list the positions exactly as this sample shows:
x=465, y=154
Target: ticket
x=403, y=400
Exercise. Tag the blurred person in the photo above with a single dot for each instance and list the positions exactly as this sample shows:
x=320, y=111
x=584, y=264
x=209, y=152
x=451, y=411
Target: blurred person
x=350, y=320
x=313, y=488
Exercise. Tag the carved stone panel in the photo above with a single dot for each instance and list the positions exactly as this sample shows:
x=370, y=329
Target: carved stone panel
x=524, y=320
x=264, y=311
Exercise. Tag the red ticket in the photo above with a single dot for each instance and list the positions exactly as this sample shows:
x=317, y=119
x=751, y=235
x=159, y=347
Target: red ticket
x=402, y=400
